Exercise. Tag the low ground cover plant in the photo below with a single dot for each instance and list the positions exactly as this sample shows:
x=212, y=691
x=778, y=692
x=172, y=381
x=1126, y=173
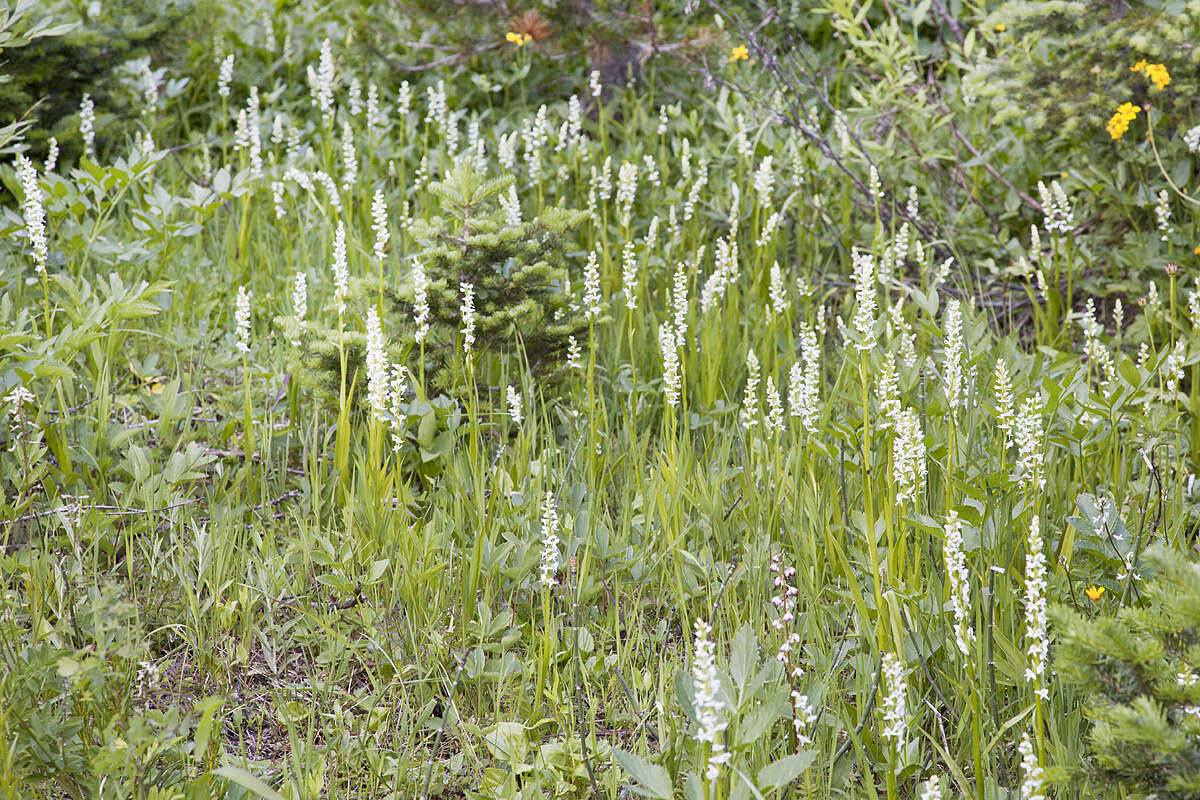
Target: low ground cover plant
x=402, y=406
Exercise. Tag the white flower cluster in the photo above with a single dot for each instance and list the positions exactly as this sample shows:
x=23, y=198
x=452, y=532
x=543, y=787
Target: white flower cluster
x=420, y=300
x=953, y=353
x=750, y=403
x=805, y=380
x=895, y=700
x=514, y=405
x=709, y=707
x=864, y=299
x=908, y=456
x=1058, y=216
x=378, y=381
x=511, y=204
x=300, y=301
x=379, y=224
x=549, y=540
x=1031, y=461
x=321, y=82
x=725, y=272
x=1037, y=640
x=804, y=716
x=591, y=287
x=467, y=310
x=224, y=75
x=87, y=123
x=34, y=211
x=341, y=273
x=241, y=316
x=1162, y=214
x=629, y=275
x=670, y=356
x=1192, y=139
x=1031, y=786
x=1002, y=391
x=959, y=579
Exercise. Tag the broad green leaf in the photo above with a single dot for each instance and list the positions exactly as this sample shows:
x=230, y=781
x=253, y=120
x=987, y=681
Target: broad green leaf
x=785, y=770
x=248, y=782
x=653, y=780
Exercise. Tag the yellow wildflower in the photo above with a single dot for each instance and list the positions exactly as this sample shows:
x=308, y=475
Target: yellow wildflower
x=1119, y=122
x=1094, y=593
x=1001, y=27
x=739, y=53
x=1159, y=75
x=1197, y=250
x=518, y=38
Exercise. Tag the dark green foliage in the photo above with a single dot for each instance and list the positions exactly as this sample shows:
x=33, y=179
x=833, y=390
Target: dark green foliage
x=1140, y=671
x=523, y=313
x=518, y=273
x=1065, y=66
x=53, y=73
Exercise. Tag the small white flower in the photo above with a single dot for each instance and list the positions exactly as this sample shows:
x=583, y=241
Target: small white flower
x=349, y=157
x=514, y=405
x=379, y=224
x=420, y=300
x=959, y=580
x=953, y=349
x=549, y=540
x=225, y=75
x=87, y=123
x=908, y=456
x=300, y=299
x=750, y=402
x=1031, y=461
x=1162, y=214
x=467, y=311
x=51, y=155
x=709, y=706
x=512, y=206
x=1031, y=786
x=1037, y=640
x=341, y=273
x=774, y=420
x=241, y=315
x=895, y=700
x=629, y=276
x=670, y=356
x=34, y=211
x=378, y=381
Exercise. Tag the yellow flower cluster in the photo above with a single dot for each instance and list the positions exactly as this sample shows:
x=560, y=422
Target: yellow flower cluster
x=739, y=53
x=1157, y=73
x=518, y=38
x=1119, y=123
